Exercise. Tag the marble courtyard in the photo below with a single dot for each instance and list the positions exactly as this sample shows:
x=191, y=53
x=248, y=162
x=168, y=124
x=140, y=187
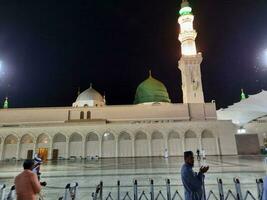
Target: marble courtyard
x=89, y=173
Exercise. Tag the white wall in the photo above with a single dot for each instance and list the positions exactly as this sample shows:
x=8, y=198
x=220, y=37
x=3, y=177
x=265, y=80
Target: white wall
x=10, y=151
x=191, y=144
x=61, y=146
x=157, y=147
x=92, y=148
x=175, y=147
x=24, y=150
x=125, y=148
x=108, y=148
x=75, y=149
x=209, y=144
x=141, y=148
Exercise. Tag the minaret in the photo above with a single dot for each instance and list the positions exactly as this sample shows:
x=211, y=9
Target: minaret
x=5, y=103
x=189, y=63
x=242, y=96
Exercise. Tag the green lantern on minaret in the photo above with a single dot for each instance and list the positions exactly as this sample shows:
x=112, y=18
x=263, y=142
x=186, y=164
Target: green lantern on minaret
x=5, y=103
x=243, y=96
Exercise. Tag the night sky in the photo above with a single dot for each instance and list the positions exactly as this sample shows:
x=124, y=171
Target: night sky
x=50, y=48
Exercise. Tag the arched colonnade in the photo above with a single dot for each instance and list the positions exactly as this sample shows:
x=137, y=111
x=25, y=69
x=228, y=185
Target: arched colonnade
x=108, y=144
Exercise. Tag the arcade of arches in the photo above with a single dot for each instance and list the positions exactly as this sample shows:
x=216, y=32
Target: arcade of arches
x=108, y=144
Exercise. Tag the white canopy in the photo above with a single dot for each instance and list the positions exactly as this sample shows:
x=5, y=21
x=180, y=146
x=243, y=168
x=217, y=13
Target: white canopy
x=255, y=106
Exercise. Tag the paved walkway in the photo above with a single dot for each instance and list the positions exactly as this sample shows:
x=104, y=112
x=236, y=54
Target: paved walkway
x=89, y=173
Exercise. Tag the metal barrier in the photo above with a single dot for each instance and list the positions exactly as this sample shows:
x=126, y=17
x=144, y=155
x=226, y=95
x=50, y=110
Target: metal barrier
x=2, y=191
x=12, y=193
x=142, y=195
x=71, y=192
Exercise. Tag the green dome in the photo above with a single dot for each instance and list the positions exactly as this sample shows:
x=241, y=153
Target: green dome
x=151, y=90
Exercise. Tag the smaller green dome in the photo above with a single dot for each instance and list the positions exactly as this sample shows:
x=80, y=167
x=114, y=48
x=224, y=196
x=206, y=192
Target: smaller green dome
x=151, y=90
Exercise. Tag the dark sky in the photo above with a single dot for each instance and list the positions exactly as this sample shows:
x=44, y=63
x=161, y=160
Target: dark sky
x=50, y=48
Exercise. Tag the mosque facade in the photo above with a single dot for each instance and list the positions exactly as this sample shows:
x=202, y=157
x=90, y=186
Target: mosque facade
x=152, y=126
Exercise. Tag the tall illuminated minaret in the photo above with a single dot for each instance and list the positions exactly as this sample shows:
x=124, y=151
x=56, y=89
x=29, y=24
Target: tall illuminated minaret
x=189, y=63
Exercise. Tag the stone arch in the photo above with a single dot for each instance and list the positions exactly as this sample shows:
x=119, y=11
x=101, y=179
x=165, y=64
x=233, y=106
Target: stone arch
x=190, y=134
x=92, y=137
x=75, y=145
x=124, y=135
x=208, y=142
x=108, y=136
x=26, y=145
x=10, y=147
x=174, y=144
x=43, y=139
x=59, y=137
x=92, y=144
x=157, y=144
x=140, y=135
x=11, y=139
x=141, y=144
x=43, y=144
x=108, y=145
x=173, y=135
x=59, y=146
x=76, y=137
x=125, y=144
x=191, y=141
x=26, y=139
x=156, y=135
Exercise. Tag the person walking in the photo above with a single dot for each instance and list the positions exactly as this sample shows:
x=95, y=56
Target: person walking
x=198, y=155
x=192, y=181
x=26, y=183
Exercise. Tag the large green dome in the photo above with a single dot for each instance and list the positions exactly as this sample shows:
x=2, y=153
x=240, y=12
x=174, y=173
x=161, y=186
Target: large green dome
x=151, y=90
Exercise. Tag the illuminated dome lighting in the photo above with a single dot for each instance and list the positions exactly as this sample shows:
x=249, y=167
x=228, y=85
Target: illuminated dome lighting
x=150, y=91
x=185, y=10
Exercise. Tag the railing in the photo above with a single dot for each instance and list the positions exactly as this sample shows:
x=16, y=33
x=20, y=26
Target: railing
x=2, y=192
x=153, y=195
x=71, y=192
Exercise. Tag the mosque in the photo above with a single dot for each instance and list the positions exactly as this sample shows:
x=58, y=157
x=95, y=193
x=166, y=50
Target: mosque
x=151, y=126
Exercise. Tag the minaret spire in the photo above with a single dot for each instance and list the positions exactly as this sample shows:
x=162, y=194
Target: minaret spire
x=189, y=63
x=79, y=91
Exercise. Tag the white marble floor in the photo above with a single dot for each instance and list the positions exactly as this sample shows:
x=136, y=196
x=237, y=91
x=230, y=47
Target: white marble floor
x=89, y=173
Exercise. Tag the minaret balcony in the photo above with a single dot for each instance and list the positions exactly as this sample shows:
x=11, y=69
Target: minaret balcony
x=187, y=35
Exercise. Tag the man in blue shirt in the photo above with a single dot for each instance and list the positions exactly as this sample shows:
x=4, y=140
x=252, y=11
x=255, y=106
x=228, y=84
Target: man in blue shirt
x=192, y=181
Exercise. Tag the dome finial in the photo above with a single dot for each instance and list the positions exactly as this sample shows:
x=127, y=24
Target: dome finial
x=150, y=73
x=104, y=98
x=79, y=91
x=91, y=85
